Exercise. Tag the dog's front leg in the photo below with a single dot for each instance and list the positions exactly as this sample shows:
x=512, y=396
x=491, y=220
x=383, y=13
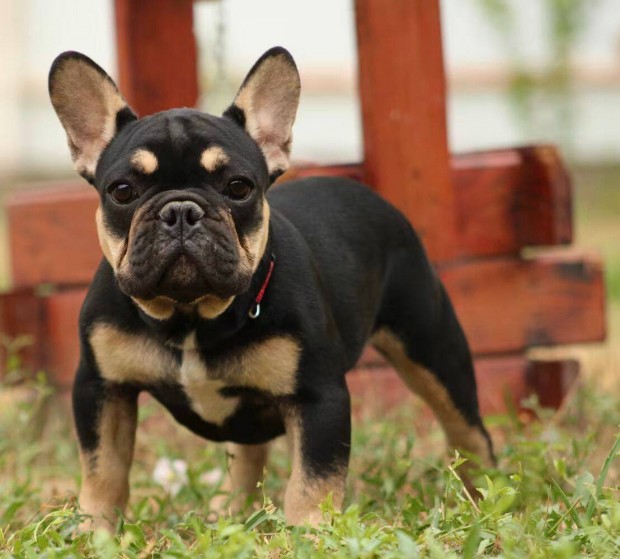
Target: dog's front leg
x=105, y=416
x=319, y=439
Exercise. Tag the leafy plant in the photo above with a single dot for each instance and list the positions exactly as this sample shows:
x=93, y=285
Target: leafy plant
x=542, y=98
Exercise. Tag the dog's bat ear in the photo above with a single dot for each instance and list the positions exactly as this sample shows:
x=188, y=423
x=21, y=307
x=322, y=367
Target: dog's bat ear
x=266, y=105
x=89, y=106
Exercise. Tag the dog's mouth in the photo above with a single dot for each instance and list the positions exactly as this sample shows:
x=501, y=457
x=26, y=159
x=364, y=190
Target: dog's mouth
x=184, y=274
x=182, y=281
x=183, y=256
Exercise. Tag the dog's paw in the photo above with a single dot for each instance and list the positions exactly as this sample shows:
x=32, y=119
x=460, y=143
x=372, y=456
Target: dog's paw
x=95, y=523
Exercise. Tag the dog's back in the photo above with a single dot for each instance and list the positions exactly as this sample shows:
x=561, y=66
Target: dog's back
x=356, y=240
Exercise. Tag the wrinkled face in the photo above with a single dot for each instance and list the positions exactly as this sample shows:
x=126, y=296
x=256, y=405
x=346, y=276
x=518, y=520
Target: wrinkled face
x=183, y=219
x=183, y=215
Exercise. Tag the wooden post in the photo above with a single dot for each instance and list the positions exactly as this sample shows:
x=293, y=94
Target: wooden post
x=402, y=93
x=156, y=54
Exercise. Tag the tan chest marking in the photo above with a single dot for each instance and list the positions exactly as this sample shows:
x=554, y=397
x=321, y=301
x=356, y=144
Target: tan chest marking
x=202, y=389
x=125, y=357
x=270, y=366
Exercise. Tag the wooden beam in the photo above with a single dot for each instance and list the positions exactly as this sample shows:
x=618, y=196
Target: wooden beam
x=505, y=305
x=22, y=324
x=62, y=310
x=503, y=384
x=506, y=199
x=511, y=198
x=509, y=304
x=402, y=94
x=157, y=55
x=52, y=234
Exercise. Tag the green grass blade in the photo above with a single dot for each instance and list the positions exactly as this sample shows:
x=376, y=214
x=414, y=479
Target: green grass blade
x=602, y=477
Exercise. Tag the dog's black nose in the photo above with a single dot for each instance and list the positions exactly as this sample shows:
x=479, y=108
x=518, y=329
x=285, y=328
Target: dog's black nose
x=181, y=215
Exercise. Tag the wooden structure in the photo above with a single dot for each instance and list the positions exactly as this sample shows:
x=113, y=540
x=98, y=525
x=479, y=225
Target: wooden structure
x=476, y=212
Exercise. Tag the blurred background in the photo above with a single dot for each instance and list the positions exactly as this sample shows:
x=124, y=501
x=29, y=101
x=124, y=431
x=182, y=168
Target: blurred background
x=519, y=71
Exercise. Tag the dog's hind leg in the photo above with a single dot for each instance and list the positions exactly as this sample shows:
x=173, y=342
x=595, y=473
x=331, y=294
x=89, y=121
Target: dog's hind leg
x=246, y=464
x=421, y=336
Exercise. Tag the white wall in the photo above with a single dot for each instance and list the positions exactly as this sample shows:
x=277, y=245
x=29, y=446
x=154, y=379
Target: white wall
x=321, y=36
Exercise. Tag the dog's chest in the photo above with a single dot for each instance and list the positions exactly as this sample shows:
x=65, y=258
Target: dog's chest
x=269, y=366
x=202, y=387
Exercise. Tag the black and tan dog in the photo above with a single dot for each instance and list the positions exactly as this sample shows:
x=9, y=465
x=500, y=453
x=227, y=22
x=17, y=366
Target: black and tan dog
x=240, y=309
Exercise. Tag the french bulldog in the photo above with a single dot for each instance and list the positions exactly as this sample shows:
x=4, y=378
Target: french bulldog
x=238, y=306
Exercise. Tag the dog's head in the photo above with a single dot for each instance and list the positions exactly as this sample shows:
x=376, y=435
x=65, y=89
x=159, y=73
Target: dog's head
x=182, y=219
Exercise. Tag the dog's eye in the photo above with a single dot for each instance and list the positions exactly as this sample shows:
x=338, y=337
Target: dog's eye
x=238, y=189
x=122, y=193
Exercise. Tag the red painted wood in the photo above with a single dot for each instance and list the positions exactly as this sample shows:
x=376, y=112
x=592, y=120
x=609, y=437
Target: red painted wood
x=505, y=304
x=509, y=304
x=52, y=235
x=62, y=311
x=402, y=94
x=503, y=384
x=505, y=199
x=552, y=380
x=484, y=204
x=157, y=54
x=22, y=319
x=512, y=198
x=302, y=170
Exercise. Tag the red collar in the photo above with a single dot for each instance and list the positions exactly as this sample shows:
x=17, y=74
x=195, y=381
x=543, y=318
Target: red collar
x=254, y=311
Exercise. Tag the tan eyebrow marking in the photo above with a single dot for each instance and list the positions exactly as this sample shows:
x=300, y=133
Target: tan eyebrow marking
x=144, y=161
x=214, y=157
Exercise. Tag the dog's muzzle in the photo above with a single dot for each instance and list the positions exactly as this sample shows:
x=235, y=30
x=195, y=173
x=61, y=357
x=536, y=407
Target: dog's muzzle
x=183, y=248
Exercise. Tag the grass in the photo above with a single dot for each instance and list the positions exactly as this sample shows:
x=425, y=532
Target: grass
x=555, y=493
x=597, y=204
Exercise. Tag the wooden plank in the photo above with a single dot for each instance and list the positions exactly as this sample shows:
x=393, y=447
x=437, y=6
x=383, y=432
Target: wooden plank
x=62, y=310
x=22, y=334
x=52, y=234
x=509, y=304
x=502, y=381
x=503, y=384
x=52, y=322
x=552, y=380
x=402, y=95
x=157, y=54
x=44, y=330
x=512, y=198
x=506, y=199
x=301, y=170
